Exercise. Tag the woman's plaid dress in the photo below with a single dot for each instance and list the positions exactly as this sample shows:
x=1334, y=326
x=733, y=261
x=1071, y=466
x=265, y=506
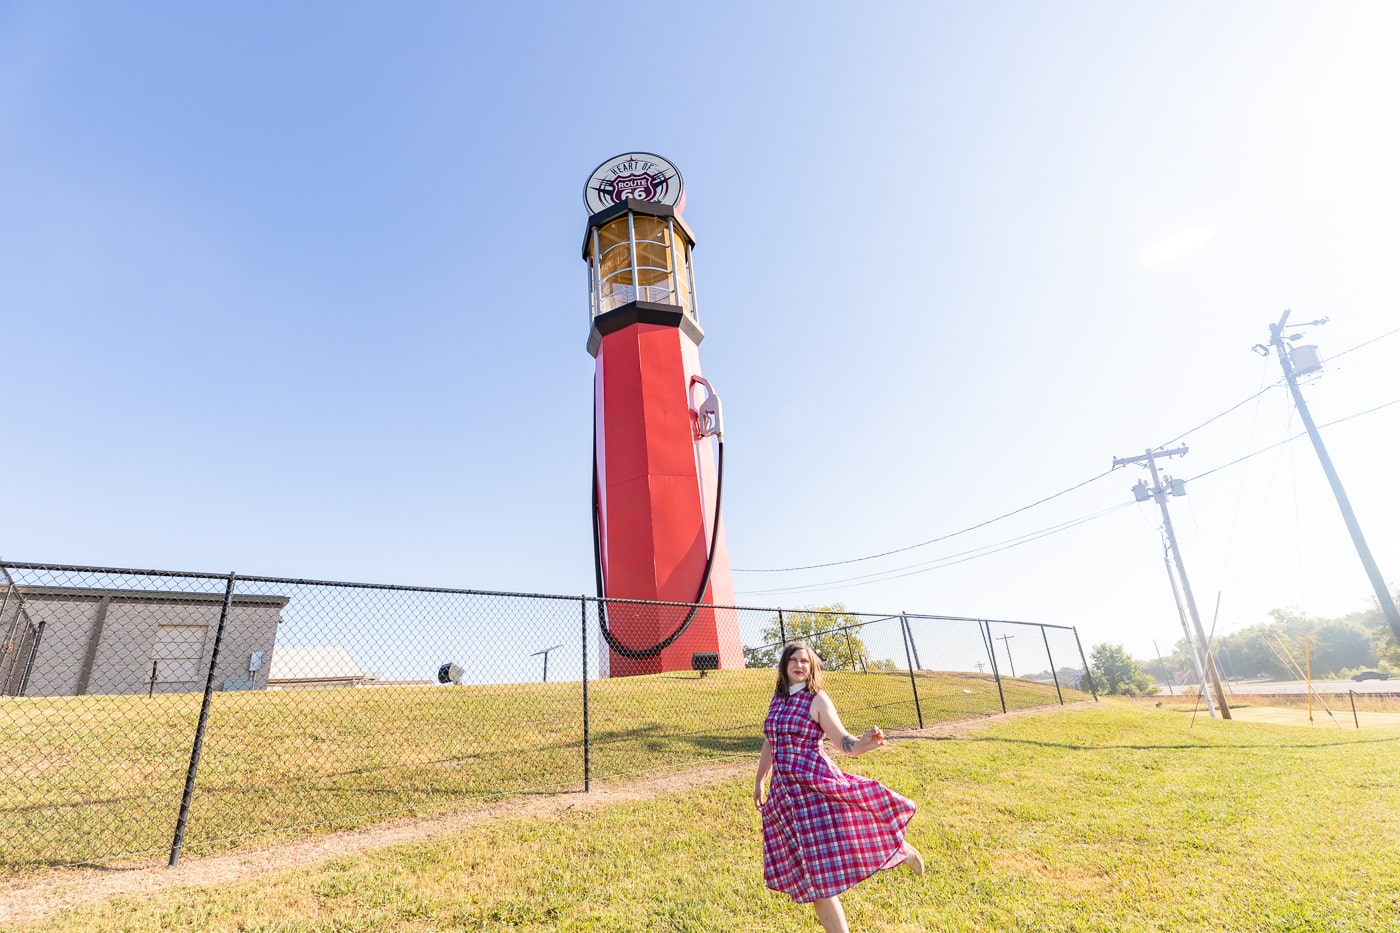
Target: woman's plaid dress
x=823, y=830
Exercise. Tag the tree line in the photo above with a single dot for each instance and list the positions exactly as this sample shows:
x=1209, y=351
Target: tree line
x=1284, y=648
x=1275, y=650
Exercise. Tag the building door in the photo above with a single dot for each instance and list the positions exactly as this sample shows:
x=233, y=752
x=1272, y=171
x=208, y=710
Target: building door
x=176, y=657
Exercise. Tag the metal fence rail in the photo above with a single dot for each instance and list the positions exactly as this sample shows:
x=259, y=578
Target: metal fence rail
x=145, y=713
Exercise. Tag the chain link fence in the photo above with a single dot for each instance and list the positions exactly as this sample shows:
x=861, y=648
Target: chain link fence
x=148, y=713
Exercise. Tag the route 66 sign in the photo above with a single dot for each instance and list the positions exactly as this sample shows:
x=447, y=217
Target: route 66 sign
x=639, y=175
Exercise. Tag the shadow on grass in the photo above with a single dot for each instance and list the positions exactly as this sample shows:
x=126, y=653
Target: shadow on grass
x=1183, y=746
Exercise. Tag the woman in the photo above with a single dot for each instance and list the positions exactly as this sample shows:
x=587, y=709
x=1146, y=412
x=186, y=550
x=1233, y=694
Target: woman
x=823, y=830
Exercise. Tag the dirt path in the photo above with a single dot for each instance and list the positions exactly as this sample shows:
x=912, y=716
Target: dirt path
x=36, y=896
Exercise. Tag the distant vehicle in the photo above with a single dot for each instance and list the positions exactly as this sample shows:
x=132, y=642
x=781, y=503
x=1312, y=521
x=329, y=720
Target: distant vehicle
x=1370, y=675
x=1234, y=680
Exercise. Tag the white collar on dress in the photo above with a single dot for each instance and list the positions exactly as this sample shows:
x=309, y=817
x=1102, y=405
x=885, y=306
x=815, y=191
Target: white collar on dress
x=794, y=688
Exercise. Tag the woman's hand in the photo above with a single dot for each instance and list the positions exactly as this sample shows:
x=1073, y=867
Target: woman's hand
x=765, y=766
x=874, y=737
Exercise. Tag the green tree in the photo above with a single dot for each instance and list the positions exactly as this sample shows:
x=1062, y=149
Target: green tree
x=1382, y=636
x=1360, y=640
x=1117, y=674
x=831, y=631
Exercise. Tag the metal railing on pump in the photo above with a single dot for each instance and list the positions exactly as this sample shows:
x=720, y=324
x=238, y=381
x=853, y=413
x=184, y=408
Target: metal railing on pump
x=147, y=713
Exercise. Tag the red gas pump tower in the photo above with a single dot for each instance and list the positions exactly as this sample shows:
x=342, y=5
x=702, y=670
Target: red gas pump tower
x=657, y=485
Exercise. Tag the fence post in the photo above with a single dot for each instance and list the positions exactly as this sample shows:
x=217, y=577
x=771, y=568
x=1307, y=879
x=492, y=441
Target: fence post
x=912, y=643
x=991, y=653
x=782, y=632
x=1053, y=676
x=33, y=653
x=904, y=630
x=10, y=644
x=199, y=729
x=1088, y=674
x=583, y=612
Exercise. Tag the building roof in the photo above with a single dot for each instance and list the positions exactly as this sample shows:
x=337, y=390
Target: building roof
x=312, y=664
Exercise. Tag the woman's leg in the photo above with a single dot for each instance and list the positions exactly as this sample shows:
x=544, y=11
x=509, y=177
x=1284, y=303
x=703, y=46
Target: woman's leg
x=832, y=917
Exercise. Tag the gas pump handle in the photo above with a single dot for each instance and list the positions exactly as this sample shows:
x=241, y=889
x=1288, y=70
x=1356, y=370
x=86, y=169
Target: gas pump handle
x=709, y=421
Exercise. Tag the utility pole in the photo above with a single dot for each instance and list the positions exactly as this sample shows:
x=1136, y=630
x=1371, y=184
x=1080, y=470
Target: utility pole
x=1186, y=627
x=1291, y=373
x=1160, y=492
x=545, y=652
x=1006, y=642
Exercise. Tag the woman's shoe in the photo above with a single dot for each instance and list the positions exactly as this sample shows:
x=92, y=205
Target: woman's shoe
x=913, y=859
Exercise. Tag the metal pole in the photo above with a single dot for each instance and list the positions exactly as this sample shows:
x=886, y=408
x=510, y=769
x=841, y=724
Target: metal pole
x=986, y=643
x=583, y=612
x=1053, y=676
x=1006, y=643
x=9, y=647
x=1307, y=659
x=1165, y=675
x=1087, y=673
x=595, y=300
x=904, y=629
x=199, y=729
x=913, y=644
x=1392, y=616
x=782, y=632
x=632, y=253
x=1352, y=695
x=1161, y=496
x=33, y=653
x=1186, y=630
x=996, y=671
x=850, y=652
x=21, y=616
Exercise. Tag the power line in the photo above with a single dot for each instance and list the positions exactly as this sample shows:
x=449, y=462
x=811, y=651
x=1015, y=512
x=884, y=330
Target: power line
x=1038, y=502
x=1289, y=440
x=899, y=550
x=960, y=557
x=1184, y=434
x=946, y=561
x=1274, y=385
x=911, y=547
x=1364, y=344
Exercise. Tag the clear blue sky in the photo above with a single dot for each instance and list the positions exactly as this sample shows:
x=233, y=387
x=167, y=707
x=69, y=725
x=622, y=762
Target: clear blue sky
x=295, y=290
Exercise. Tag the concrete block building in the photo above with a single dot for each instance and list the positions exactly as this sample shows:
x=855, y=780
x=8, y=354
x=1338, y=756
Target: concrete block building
x=75, y=641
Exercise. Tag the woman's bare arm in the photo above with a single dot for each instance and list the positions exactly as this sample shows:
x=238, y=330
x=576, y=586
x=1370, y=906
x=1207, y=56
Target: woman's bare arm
x=765, y=765
x=824, y=714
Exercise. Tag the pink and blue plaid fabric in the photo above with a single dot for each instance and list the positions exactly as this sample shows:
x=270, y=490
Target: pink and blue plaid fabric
x=823, y=830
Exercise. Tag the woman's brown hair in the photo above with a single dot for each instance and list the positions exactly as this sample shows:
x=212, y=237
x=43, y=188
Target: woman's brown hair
x=814, y=672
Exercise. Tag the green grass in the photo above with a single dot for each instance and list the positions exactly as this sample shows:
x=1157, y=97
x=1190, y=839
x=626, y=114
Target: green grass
x=1112, y=818
x=101, y=778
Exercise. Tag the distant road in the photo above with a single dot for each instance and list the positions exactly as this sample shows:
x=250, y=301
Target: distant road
x=1295, y=686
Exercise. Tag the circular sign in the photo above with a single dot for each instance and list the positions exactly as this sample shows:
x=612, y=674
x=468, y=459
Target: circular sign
x=639, y=175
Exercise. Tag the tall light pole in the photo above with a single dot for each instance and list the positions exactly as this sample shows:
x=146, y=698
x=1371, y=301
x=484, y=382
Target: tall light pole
x=1291, y=372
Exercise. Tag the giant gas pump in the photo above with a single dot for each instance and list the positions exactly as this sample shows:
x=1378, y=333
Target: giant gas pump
x=658, y=431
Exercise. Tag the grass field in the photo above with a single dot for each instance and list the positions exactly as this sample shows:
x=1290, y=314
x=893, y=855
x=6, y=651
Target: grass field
x=101, y=778
x=1116, y=817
